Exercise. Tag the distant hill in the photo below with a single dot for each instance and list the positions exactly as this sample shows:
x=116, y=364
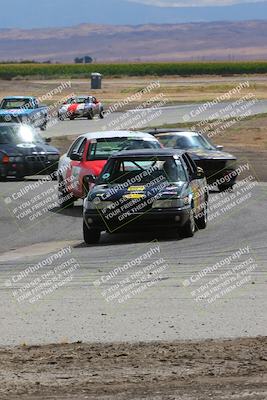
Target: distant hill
x=154, y=42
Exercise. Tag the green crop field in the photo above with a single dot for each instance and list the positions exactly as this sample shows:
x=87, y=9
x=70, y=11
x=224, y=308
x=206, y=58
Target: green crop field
x=46, y=71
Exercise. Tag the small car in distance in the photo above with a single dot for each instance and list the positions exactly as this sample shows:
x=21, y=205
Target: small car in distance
x=147, y=189
x=23, y=152
x=81, y=107
x=219, y=166
x=87, y=156
x=24, y=109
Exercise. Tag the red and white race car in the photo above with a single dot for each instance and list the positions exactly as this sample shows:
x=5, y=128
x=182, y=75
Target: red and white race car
x=81, y=106
x=87, y=156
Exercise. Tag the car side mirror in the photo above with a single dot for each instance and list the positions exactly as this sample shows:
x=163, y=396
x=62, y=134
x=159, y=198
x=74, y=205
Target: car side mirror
x=200, y=173
x=75, y=157
x=90, y=179
x=48, y=140
x=219, y=147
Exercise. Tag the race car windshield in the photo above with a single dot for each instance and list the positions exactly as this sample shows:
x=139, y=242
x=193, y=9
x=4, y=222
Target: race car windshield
x=186, y=142
x=15, y=104
x=102, y=149
x=143, y=171
x=80, y=100
x=18, y=135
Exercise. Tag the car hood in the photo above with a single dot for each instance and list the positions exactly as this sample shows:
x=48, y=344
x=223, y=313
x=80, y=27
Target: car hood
x=200, y=154
x=27, y=149
x=137, y=191
x=15, y=111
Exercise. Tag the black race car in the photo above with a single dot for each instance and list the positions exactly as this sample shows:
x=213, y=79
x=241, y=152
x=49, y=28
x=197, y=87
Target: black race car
x=219, y=166
x=147, y=189
x=23, y=152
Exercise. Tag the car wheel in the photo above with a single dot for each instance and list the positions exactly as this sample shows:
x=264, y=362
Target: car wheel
x=202, y=218
x=188, y=230
x=91, y=236
x=60, y=117
x=72, y=118
x=90, y=115
x=54, y=176
x=65, y=199
x=85, y=188
x=101, y=115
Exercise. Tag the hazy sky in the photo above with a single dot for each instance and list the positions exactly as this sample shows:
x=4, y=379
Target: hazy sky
x=48, y=13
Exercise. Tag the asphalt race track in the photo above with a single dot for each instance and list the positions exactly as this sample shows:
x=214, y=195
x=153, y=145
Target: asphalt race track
x=152, y=117
x=175, y=307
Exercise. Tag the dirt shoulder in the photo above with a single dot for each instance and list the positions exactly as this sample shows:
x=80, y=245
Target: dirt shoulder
x=175, y=89
x=211, y=369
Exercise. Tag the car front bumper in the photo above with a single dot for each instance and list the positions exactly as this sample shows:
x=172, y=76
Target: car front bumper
x=26, y=169
x=153, y=219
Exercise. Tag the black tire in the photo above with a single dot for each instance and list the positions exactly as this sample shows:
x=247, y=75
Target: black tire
x=202, y=218
x=85, y=188
x=43, y=127
x=54, y=176
x=90, y=236
x=188, y=230
x=72, y=118
x=90, y=115
x=65, y=199
x=20, y=177
x=102, y=115
x=60, y=117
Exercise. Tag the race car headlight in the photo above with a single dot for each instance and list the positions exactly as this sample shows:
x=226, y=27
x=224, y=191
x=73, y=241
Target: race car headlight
x=53, y=157
x=102, y=205
x=16, y=159
x=97, y=204
x=172, y=203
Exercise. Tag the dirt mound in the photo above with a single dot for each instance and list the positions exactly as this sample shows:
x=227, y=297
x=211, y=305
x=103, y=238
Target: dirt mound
x=211, y=369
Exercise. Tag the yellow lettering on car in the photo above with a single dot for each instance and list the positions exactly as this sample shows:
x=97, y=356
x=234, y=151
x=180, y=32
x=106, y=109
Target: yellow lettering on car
x=134, y=196
x=136, y=188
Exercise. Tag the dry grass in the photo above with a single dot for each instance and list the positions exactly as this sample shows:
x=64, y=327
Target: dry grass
x=175, y=89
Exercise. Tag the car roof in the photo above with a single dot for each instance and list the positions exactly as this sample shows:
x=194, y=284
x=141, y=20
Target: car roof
x=114, y=134
x=148, y=152
x=176, y=133
x=17, y=97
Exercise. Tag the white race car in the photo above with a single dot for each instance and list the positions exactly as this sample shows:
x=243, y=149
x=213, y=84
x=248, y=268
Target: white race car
x=81, y=106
